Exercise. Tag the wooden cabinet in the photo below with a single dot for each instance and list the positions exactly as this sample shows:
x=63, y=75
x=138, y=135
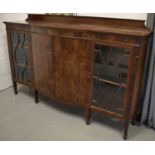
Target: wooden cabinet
x=95, y=63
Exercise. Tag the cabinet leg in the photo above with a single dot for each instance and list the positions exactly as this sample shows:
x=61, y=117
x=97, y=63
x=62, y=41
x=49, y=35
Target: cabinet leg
x=15, y=88
x=126, y=127
x=133, y=122
x=36, y=96
x=88, y=115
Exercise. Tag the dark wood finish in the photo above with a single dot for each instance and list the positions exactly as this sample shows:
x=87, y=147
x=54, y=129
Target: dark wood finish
x=36, y=96
x=62, y=68
x=129, y=93
x=15, y=88
x=83, y=20
x=60, y=54
x=138, y=81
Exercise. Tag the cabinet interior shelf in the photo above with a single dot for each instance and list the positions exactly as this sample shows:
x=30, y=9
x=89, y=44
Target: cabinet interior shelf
x=21, y=65
x=23, y=82
x=100, y=50
x=108, y=96
x=25, y=47
x=110, y=82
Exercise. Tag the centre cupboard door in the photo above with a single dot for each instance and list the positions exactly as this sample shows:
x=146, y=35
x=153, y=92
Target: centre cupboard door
x=63, y=68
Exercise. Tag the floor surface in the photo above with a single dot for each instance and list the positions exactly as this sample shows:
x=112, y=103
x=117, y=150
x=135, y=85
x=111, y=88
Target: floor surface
x=22, y=119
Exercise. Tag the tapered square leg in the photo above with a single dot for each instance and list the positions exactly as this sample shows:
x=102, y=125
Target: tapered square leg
x=88, y=115
x=36, y=96
x=126, y=127
x=134, y=119
x=133, y=122
x=15, y=88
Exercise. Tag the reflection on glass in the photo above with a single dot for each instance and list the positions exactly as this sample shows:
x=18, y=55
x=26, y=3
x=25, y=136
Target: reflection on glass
x=110, y=77
x=20, y=47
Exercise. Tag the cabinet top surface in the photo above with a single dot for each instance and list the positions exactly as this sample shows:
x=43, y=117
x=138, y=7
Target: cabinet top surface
x=95, y=24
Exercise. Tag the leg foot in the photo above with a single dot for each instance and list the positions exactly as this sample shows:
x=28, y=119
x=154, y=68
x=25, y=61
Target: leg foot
x=125, y=137
x=126, y=127
x=15, y=88
x=36, y=96
x=88, y=115
x=133, y=122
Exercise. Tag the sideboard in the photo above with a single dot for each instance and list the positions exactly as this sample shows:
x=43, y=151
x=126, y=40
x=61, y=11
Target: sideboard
x=91, y=62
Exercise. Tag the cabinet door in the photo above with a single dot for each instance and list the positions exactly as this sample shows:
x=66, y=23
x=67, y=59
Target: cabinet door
x=76, y=57
x=110, y=78
x=20, y=56
x=63, y=68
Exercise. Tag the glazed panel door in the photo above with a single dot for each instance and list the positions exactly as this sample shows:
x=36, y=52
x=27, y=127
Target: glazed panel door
x=20, y=55
x=110, y=78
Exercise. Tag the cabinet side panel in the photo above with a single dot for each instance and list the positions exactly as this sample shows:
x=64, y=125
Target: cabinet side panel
x=42, y=55
x=138, y=81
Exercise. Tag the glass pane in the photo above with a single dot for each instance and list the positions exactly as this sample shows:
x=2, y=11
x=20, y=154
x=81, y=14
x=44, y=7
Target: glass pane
x=110, y=77
x=20, y=47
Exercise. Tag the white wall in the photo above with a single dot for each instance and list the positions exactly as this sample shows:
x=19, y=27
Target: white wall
x=5, y=74
x=139, y=16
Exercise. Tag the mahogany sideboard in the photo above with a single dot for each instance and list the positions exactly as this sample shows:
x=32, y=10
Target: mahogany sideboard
x=95, y=63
